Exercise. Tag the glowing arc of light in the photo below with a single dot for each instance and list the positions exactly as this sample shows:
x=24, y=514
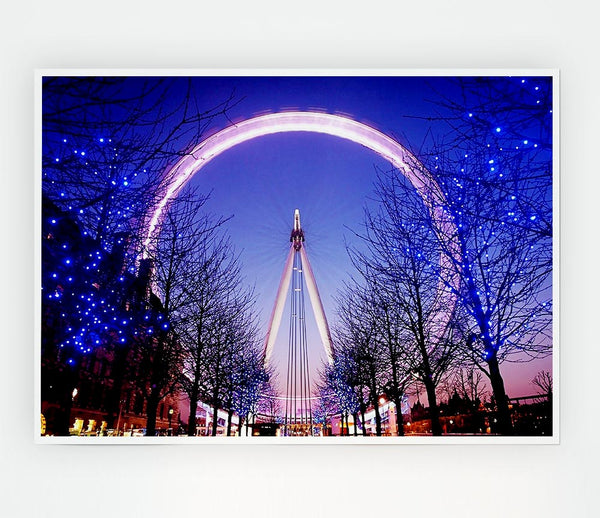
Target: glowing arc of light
x=249, y=129
x=315, y=302
x=317, y=305
x=348, y=129
x=277, y=313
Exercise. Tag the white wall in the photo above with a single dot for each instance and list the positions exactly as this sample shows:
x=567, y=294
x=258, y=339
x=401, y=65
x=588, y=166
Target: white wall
x=482, y=481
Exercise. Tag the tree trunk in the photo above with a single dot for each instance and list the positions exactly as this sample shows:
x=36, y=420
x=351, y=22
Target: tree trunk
x=119, y=366
x=550, y=413
x=362, y=417
x=504, y=421
x=191, y=431
x=151, y=410
x=375, y=403
x=399, y=417
x=66, y=381
x=157, y=383
x=355, y=417
x=60, y=420
x=215, y=419
x=434, y=411
x=194, y=394
x=63, y=378
x=229, y=418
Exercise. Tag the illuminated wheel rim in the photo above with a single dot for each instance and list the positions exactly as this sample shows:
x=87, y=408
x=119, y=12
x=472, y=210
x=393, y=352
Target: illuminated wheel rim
x=335, y=125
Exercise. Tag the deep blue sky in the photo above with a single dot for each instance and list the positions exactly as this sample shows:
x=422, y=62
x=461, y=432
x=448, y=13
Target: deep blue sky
x=262, y=181
x=330, y=180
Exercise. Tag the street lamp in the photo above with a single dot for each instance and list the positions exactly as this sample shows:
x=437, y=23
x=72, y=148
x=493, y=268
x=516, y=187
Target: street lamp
x=170, y=417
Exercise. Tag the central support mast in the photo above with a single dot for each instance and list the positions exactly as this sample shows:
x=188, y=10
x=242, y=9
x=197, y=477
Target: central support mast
x=297, y=240
x=298, y=411
x=298, y=273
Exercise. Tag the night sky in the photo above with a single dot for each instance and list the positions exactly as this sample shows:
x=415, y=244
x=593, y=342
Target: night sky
x=330, y=180
x=261, y=182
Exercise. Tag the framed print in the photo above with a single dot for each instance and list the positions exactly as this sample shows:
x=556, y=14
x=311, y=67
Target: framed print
x=316, y=256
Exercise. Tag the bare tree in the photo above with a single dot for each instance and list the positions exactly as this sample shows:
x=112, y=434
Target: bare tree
x=327, y=403
x=247, y=379
x=173, y=258
x=357, y=374
x=215, y=277
x=543, y=381
x=495, y=167
x=106, y=144
x=397, y=344
x=268, y=403
x=229, y=360
x=469, y=384
x=400, y=265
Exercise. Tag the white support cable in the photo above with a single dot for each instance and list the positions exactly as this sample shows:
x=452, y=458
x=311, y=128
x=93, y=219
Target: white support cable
x=277, y=313
x=317, y=305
